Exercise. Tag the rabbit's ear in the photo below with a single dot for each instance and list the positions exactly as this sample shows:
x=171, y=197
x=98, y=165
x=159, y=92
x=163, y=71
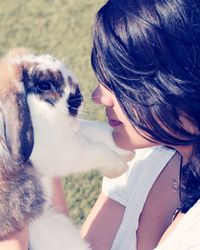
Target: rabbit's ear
x=18, y=131
x=17, y=125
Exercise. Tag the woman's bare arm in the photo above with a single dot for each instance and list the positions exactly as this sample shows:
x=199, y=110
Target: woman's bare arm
x=102, y=223
x=19, y=241
x=58, y=196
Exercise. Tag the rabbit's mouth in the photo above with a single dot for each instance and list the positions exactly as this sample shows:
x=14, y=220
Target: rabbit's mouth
x=74, y=101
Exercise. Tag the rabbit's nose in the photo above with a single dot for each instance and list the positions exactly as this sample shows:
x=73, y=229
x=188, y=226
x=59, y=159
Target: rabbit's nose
x=74, y=101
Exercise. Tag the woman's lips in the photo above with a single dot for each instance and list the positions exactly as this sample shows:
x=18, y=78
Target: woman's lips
x=114, y=123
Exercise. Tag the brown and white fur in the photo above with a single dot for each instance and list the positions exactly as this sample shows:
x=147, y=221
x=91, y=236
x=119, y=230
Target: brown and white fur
x=41, y=137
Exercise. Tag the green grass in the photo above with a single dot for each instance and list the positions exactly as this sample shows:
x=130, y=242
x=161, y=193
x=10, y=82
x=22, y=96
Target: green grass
x=81, y=192
x=62, y=28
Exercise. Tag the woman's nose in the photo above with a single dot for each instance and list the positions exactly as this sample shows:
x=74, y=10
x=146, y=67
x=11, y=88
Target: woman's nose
x=101, y=95
x=97, y=95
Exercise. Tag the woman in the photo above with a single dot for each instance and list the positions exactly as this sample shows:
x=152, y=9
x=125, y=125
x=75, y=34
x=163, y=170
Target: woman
x=146, y=56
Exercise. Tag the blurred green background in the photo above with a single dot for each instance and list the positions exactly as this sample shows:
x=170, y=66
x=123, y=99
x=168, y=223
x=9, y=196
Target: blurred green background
x=62, y=28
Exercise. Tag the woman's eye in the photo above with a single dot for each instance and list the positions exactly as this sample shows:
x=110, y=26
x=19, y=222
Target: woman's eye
x=44, y=86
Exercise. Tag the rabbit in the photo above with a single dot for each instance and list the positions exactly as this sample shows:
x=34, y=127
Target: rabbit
x=43, y=136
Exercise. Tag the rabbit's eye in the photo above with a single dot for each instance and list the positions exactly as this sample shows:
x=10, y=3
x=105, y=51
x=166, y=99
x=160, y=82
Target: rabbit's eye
x=44, y=86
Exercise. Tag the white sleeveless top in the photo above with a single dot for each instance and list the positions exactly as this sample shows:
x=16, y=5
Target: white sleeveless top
x=186, y=235
x=132, y=188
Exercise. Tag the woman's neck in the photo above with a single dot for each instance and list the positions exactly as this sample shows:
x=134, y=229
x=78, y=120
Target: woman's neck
x=186, y=152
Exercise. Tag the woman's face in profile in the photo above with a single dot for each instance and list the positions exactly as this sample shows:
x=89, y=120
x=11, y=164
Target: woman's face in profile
x=124, y=134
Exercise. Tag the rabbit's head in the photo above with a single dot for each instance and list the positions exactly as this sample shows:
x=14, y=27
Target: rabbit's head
x=29, y=82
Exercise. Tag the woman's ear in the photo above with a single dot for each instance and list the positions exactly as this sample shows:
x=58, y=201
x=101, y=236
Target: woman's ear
x=17, y=125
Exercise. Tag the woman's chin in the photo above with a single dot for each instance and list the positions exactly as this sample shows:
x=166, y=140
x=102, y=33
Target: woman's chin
x=121, y=141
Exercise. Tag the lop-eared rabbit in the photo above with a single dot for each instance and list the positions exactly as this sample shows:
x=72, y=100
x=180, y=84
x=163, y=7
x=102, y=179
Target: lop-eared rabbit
x=41, y=137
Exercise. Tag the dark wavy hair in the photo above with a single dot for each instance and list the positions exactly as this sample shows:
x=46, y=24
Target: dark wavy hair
x=147, y=52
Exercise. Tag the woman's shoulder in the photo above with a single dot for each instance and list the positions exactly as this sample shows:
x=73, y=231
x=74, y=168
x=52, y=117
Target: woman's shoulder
x=156, y=152
x=144, y=167
x=149, y=161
